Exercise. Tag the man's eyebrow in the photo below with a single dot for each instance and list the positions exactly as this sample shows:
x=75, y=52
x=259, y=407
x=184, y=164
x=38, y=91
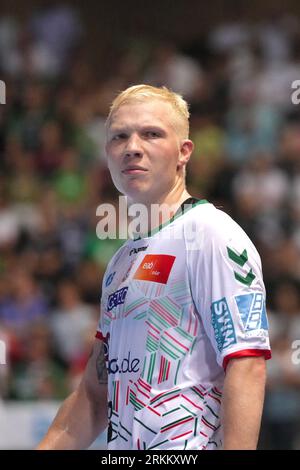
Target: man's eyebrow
x=152, y=126
x=117, y=128
x=141, y=127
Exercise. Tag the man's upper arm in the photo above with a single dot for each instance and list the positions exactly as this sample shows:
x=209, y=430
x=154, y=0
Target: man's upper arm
x=95, y=375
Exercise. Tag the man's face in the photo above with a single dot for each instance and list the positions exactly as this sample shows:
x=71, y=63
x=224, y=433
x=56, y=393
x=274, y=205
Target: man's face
x=144, y=151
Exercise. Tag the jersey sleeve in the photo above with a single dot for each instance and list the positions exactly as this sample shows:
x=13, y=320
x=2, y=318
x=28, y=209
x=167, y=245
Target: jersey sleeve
x=228, y=290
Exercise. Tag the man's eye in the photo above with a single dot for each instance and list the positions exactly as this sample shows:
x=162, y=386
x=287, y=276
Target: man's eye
x=152, y=134
x=119, y=137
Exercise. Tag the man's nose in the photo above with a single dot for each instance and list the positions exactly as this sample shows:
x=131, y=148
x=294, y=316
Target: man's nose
x=133, y=146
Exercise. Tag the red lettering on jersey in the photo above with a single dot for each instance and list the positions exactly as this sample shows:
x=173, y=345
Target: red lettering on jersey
x=155, y=268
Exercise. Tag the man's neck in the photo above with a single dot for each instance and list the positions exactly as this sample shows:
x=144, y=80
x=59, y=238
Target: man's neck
x=163, y=209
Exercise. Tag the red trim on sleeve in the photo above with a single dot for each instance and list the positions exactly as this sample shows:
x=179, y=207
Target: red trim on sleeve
x=99, y=335
x=247, y=353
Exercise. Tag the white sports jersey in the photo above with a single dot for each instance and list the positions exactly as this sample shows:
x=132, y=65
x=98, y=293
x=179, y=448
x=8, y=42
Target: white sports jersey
x=176, y=306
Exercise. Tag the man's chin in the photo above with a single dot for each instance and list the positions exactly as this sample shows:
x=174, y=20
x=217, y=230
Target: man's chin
x=137, y=195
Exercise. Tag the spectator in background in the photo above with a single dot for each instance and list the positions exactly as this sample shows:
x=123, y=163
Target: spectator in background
x=24, y=305
x=282, y=406
x=175, y=70
x=56, y=30
x=71, y=322
x=37, y=376
x=49, y=155
x=9, y=222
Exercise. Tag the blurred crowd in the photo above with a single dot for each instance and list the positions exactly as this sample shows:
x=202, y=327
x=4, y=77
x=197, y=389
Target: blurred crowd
x=53, y=175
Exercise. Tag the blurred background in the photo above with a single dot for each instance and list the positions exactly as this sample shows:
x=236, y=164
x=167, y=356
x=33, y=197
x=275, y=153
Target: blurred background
x=62, y=64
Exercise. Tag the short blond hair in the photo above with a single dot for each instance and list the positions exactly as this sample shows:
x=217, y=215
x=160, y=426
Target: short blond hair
x=141, y=93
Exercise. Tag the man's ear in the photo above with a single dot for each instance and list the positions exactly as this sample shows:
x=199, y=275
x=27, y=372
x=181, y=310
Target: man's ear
x=186, y=150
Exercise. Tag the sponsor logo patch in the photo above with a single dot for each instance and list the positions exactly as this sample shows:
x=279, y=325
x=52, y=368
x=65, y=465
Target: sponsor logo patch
x=127, y=364
x=155, y=268
x=117, y=298
x=135, y=251
x=222, y=324
x=252, y=311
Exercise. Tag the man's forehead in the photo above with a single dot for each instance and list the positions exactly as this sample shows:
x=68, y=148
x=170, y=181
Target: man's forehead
x=143, y=113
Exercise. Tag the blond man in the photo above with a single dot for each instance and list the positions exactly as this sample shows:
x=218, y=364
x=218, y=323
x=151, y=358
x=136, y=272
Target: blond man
x=179, y=355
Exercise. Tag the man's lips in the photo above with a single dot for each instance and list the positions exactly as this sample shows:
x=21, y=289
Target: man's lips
x=134, y=170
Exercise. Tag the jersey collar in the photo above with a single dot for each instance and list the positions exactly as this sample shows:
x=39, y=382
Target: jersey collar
x=187, y=205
